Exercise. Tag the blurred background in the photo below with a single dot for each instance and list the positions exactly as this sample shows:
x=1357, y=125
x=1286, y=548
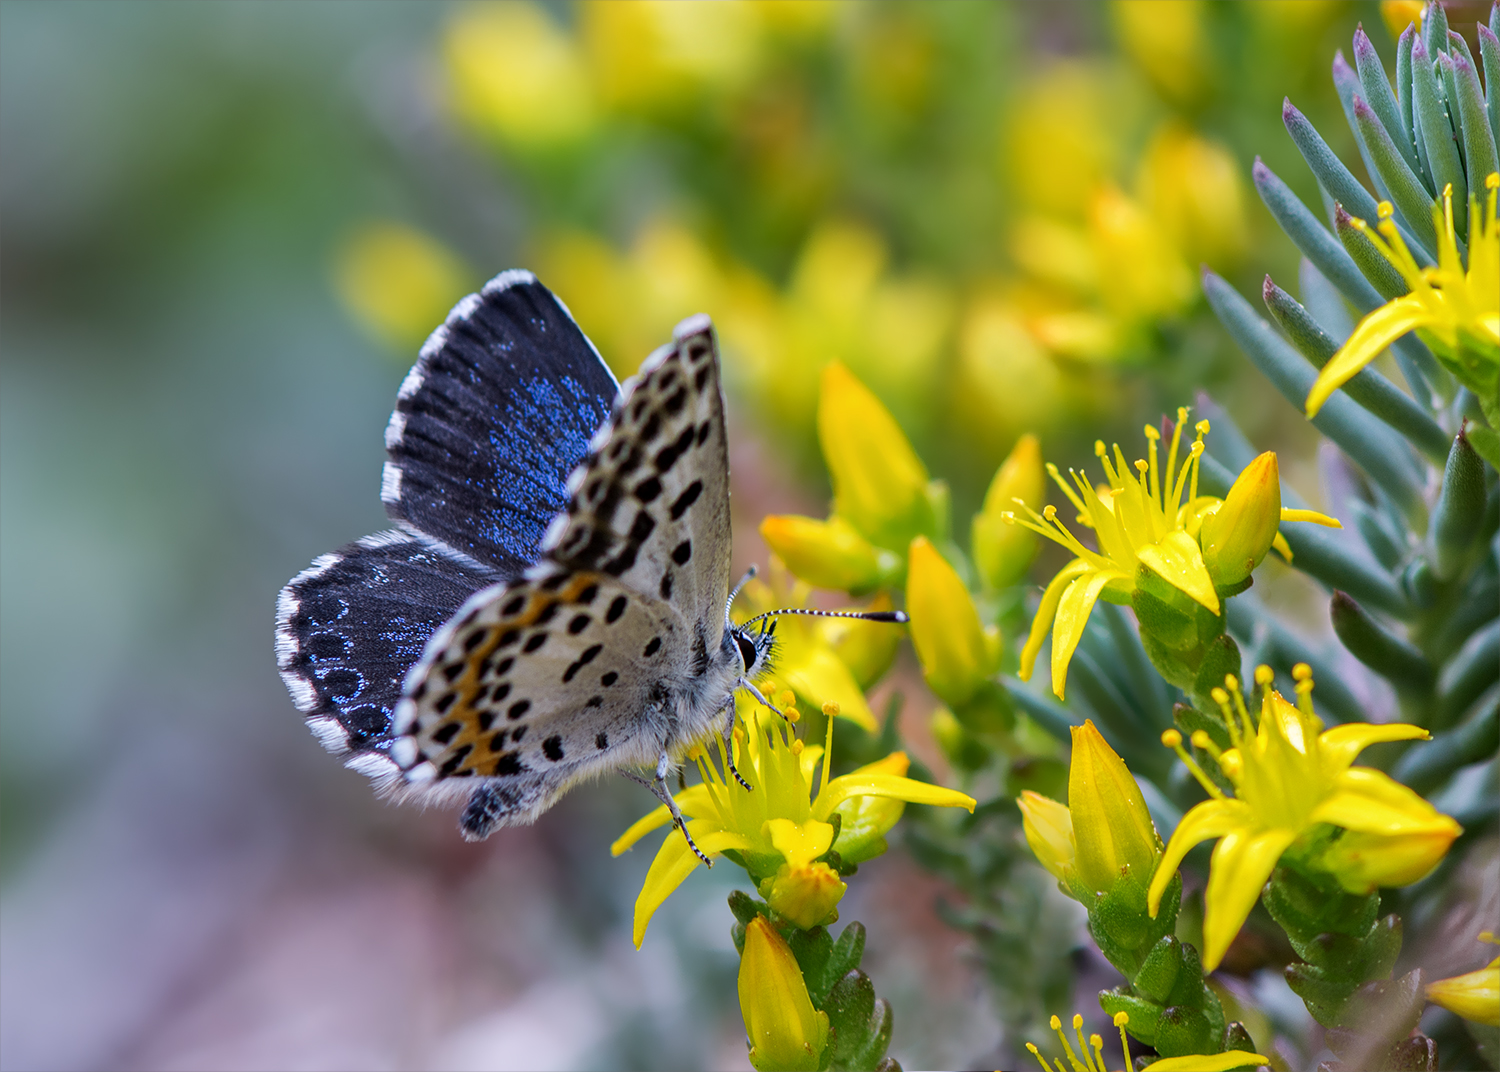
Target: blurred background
x=224, y=231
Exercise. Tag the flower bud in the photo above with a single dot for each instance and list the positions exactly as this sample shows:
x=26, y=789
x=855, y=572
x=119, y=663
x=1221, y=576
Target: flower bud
x=1474, y=995
x=880, y=486
x=957, y=651
x=785, y=1031
x=1002, y=551
x=1237, y=535
x=1111, y=826
x=829, y=554
x=1049, y=831
x=802, y=890
x=1363, y=860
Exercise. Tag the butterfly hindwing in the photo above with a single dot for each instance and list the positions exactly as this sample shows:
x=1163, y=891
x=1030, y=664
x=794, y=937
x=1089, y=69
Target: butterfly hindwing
x=351, y=626
x=536, y=684
x=489, y=422
x=650, y=503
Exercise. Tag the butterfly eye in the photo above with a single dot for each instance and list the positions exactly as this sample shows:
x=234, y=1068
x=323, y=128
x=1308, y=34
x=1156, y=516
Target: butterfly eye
x=747, y=649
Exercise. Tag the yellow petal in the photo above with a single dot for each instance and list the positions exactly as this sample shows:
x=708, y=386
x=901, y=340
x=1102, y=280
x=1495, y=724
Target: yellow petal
x=1374, y=333
x=1366, y=799
x=886, y=785
x=1045, y=612
x=1178, y=561
x=1310, y=516
x=1363, y=861
x=1001, y=550
x=1048, y=827
x=1217, y=1062
x=1210, y=819
x=879, y=483
x=673, y=864
x=800, y=843
x=1241, y=863
x=693, y=802
x=1072, y=615
x=819, y=676
x=1341, y=744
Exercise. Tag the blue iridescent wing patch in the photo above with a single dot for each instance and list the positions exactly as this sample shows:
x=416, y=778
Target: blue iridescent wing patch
x=492, y=418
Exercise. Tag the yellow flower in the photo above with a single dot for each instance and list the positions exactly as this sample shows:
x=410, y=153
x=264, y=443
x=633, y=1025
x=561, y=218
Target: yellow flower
x=515, y=71
x=958, y=652
x=1474, y=995
x=778, y=828
x=1105, y=833
x=1454, y=311
x=399, y=282
x=1089, y=1057
x=785, y=1031
x=1193, y=187
x=1139, y=520
x=1288, y=778
x=1145, y=521
x=1169, y=42
x=1001, y=551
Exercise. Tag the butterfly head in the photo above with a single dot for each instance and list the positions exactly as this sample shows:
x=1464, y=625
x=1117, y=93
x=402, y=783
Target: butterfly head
x=755, y=646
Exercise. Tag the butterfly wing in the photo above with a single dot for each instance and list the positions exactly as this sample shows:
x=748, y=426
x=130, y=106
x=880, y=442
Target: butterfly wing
x=349, y=628
x=624, y=612
x=535, y=685
x=489, y=422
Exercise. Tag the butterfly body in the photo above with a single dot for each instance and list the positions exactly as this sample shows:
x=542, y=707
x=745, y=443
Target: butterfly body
x=553, y=604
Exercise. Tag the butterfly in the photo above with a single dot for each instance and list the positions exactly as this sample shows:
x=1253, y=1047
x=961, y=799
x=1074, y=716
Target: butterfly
x=553, y=601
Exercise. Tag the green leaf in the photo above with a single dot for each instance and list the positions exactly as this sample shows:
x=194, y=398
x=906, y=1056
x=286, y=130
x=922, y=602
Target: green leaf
x=1324, y=163
x=1378, y=93
x=1403, y=95
x=1381, y=273
x=1437, y=136
x=1459, y=513
x=1428, y=764
x=1489, y=56
x=1479, y=141
x=1405, y=189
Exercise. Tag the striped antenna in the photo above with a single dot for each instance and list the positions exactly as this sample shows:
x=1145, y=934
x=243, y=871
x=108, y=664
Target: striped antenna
x=894, y=617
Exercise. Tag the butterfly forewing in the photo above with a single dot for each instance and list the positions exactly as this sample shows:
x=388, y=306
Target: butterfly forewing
x=650, y=503
x=497, y=411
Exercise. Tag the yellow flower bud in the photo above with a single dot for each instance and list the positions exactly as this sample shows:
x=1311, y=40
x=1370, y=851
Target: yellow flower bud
x=1193, y=189
x=1363, y=860
x=880, y=486
x=1170, y=44
x=1474, y=995
x=1049, y=831
x=1002, y=550
x=828, y=554
x=958, y=652
x=1111, y=826
x=785, y=1031
x=398, y=282
x=806, y=895
x=1238, y=534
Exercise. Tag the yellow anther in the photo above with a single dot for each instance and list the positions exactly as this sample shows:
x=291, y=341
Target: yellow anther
x=1055, y=1023
x=1202, y=427
x=797, y=747
x=1231, y=763
x=1220, y=697
x=1447, y=193
x=1049, y=512
x=1231, y=682
x=1098, y=448
x=1492, y=180
x=1140, y=465
x=1121, y=1019
x=788, y=698
x=1197, y=448
x=1152, y=432
x=1301, y=671
x=1385, y=209
x=792, y=714
x=831, y=709
x=1171, y=738
x=1264, y=675
x=1008, y=516
x=1202, y=740
x=1077, y=1020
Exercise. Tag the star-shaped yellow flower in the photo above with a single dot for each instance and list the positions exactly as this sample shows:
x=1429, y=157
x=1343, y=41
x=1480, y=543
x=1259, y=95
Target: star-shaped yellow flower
x=778, y=829
x=1288, y=778
x=1455, y=310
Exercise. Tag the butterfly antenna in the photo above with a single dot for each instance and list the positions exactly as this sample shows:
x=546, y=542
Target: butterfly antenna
x=749, y=573
x=894, y=617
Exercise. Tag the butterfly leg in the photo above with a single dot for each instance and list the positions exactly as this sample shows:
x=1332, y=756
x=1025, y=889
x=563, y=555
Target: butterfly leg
x=728, y=734
x=744, y=684
x=658, y=787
